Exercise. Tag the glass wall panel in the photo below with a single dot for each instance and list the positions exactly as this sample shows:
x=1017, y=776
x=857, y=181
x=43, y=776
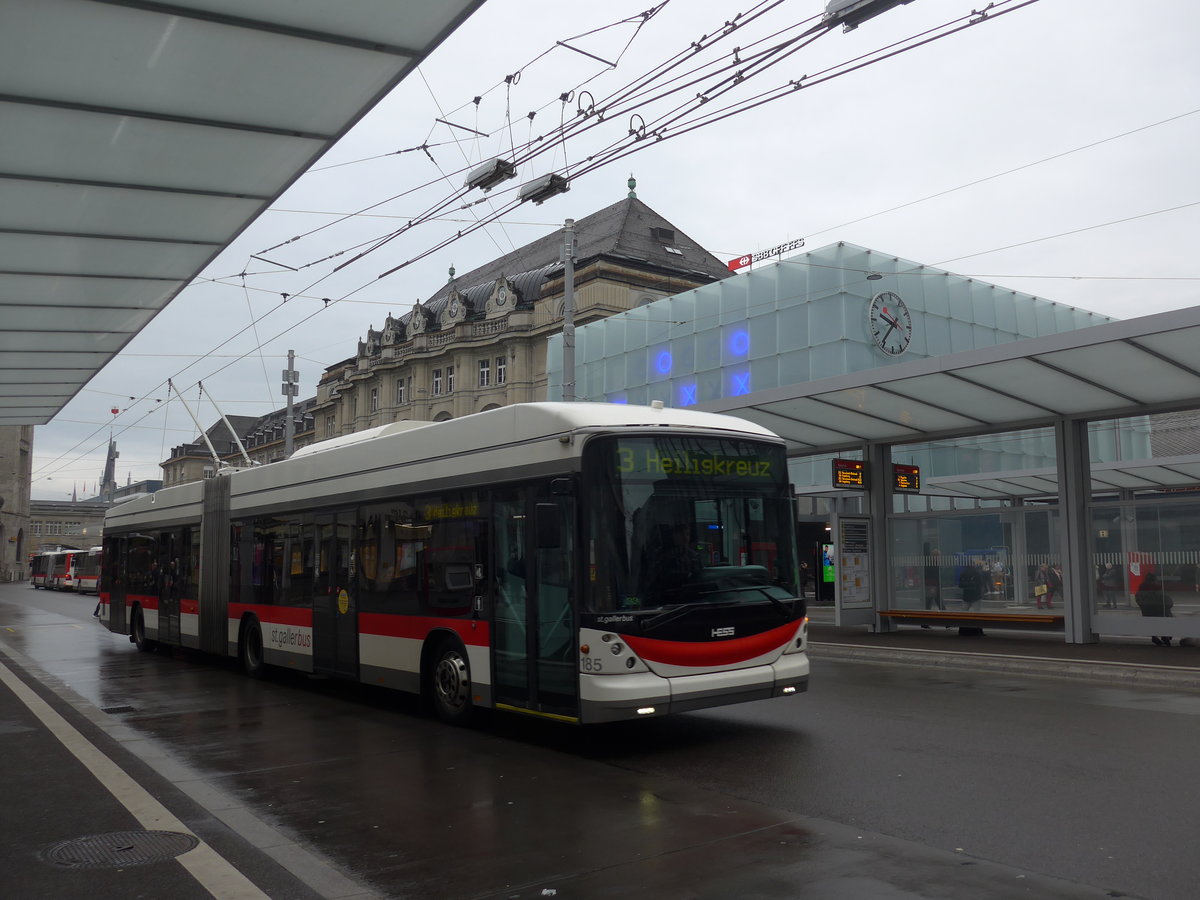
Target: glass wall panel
x=792, y=328
x=1146, y=563
x=987, y=561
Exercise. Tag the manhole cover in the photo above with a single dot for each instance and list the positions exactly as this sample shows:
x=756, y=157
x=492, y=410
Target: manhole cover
x=118, y=849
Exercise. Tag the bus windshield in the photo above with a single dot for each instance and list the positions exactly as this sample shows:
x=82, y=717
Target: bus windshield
x=677, y=520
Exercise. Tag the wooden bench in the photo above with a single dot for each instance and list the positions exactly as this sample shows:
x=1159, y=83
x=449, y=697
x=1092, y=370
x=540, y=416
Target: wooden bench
x=963, y=618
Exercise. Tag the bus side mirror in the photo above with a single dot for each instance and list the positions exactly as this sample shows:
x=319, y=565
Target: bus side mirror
x=562, y=487
x=549, y=526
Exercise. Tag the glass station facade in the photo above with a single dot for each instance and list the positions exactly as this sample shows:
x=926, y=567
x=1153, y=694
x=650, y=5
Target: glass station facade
x=988, y=503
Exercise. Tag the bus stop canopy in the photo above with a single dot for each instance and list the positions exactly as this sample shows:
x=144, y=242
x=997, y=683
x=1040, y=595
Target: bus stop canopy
x=1126, y=368
x=141, y=138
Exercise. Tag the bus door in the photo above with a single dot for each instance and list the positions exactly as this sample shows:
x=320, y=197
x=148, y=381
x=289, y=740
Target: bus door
x=112, y=582
x=168, y=573
x=335, y=610
x=535, y=659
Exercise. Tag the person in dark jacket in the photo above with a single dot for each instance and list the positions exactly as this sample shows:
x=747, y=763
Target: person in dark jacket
x=1152, y=600
x=970, y=580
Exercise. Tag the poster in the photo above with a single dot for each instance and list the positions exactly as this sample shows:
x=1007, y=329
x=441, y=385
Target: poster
x=853, y=564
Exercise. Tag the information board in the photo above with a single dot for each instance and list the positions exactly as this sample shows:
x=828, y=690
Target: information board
x=906, y=479
x=849, y=473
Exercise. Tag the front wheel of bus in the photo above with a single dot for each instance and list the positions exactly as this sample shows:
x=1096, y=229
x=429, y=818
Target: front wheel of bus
x=250, y=649
x=138, y=631
x=450, y=684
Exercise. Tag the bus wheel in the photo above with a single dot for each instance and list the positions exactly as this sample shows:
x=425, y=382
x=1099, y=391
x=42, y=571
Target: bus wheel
x=139, y=633
x=250, y=649
x=450, y=684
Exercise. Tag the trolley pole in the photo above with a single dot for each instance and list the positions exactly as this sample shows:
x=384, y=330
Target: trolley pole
x=568, y=385
x=290, y=377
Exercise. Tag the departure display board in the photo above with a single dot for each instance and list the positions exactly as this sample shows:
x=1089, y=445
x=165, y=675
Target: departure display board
x=849, y=473
x=906, y=479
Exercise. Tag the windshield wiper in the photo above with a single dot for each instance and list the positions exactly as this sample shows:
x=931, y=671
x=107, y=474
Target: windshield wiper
x=663, y=618
x=779, y=605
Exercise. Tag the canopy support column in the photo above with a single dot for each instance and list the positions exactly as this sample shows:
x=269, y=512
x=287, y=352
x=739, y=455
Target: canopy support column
x=1074, y=488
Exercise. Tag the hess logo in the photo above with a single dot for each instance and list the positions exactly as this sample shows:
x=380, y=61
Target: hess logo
x=726, y=631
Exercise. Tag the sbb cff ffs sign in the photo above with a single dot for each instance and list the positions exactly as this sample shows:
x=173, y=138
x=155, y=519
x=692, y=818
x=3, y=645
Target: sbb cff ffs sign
x=906, y=479
x=849, y=473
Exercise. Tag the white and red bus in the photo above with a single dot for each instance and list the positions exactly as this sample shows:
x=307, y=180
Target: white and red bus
x=64, y=569
x=87, y=571
x=582, y=562
x=40, y=565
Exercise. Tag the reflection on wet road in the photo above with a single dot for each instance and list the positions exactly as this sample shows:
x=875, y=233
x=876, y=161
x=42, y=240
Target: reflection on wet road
x=882, y=781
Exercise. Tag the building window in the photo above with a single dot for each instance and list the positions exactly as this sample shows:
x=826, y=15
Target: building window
x=374, y=399
x=437, y=382
x=329, y=426
x=485, y=372
x=53, y=528
x=399, y=391
x=501, y=369
x=449, y=379
x=37, y=529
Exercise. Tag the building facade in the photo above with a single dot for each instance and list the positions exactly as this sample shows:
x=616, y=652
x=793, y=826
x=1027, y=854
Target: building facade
x=16, y=472
x=263, y=438
x=66, y=524
x=480, y=341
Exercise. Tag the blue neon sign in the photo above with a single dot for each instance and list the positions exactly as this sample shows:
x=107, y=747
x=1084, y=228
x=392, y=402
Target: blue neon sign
x=739, y=342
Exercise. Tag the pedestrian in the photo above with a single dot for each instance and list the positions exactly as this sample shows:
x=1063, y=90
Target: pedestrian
x=970, y=580
x=1041, y=585
x=933, y=579
x=1054, y=582
x=1110, y=585
x=1152, y=600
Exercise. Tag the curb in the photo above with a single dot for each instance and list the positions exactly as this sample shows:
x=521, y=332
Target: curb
x=1096, y=671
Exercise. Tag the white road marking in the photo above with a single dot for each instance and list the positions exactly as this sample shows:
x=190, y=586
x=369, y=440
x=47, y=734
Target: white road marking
x=209, y=868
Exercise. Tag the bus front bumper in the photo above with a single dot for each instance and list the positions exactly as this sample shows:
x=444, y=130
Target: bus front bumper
x=638, y=695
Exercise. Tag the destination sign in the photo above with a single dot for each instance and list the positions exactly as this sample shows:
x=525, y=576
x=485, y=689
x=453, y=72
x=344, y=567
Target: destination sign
x=849, y=473
x=906, y=479
x=723, y=460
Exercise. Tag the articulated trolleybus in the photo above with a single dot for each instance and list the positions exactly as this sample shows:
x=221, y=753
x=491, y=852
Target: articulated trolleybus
x=583, y=562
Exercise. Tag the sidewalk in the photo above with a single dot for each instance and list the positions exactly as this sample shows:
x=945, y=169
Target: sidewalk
x=1120, y=659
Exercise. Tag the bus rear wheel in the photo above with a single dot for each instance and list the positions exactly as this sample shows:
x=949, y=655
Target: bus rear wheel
x=250, y=649
x=450, y=684
x=138, y=633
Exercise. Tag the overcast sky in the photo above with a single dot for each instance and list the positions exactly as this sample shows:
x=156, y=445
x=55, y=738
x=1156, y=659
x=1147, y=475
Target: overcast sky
x=1094, y=103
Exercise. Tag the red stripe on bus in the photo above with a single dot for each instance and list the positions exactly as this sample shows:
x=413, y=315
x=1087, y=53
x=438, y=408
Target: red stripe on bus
x=146, y=601
x=275, y=615
x=711, y=653
x=473, y=632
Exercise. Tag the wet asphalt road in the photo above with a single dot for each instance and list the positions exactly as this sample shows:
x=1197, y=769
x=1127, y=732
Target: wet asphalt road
x=884, y=781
